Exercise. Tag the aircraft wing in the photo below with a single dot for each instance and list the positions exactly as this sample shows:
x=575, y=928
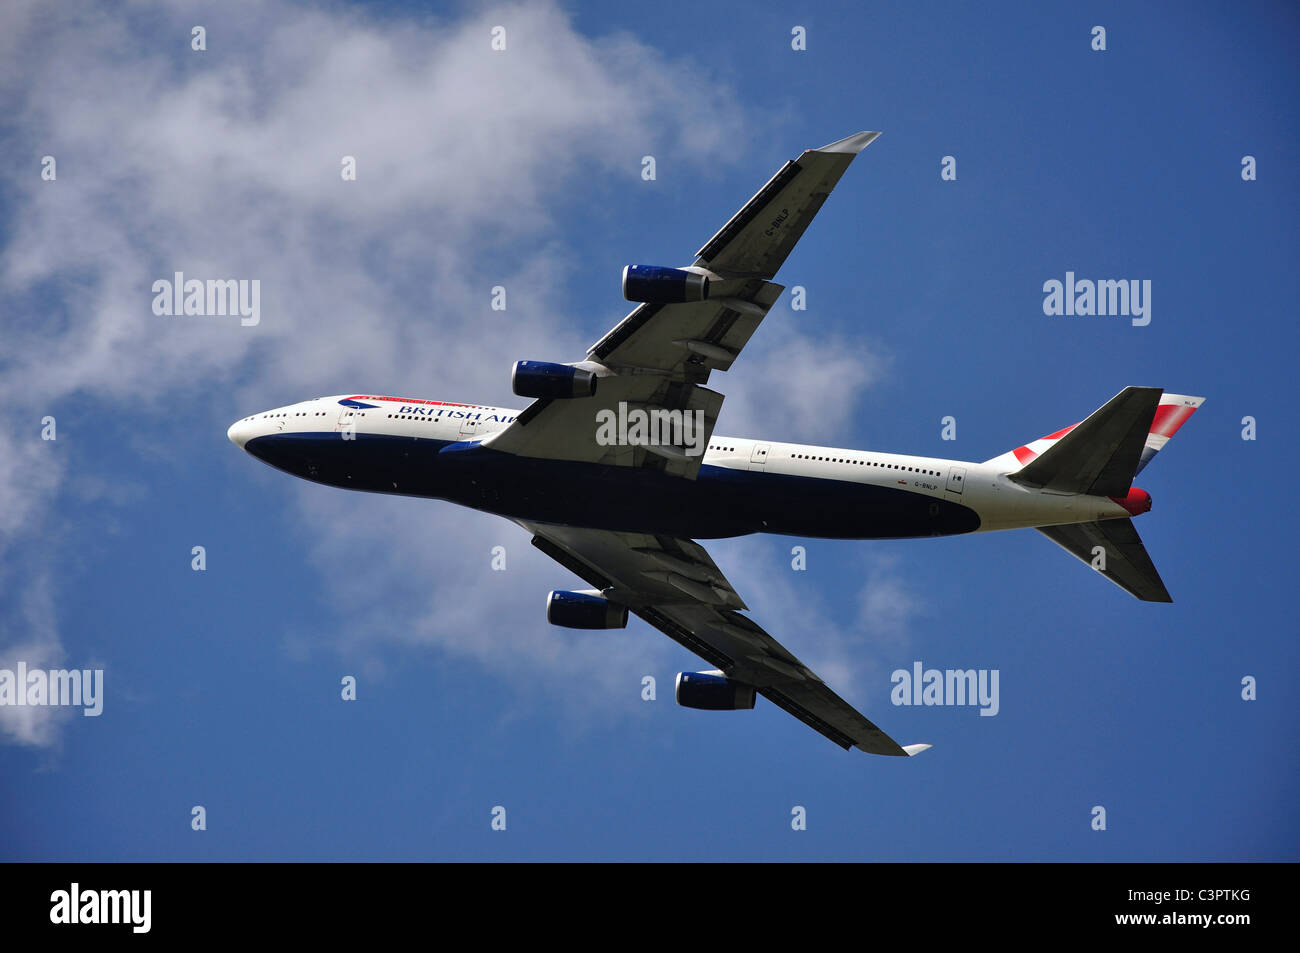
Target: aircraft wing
x=660, y=356
x=675, y=586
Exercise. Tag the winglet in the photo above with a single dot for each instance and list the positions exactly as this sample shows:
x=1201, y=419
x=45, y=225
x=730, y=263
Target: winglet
x=852, y=145
x=914, y=750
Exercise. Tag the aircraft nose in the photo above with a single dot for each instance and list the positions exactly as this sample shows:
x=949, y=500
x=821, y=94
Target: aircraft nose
x=239, y=433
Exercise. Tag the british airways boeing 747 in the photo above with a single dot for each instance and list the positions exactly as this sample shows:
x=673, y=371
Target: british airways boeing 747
x=616, y=471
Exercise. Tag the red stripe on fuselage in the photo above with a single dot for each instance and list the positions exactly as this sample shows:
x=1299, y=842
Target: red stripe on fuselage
x=412, y=400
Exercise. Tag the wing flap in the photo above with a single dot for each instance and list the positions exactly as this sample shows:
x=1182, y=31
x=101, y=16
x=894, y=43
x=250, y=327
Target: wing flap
x=649, y=337
x=677, y=422
x=822, y=710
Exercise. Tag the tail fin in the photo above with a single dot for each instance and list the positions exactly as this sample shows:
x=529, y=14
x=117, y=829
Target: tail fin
x=1172, y=413
x=1101, y=455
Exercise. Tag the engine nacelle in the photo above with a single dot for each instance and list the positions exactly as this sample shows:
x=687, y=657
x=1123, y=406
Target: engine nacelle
x=586, y=609
x=712, y=691
x=538, y=379
x=663, y=285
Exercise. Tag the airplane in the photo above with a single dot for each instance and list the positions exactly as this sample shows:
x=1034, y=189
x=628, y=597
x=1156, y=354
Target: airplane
x=615, y=470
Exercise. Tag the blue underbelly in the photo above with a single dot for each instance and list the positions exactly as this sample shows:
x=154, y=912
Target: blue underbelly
x=720, y=502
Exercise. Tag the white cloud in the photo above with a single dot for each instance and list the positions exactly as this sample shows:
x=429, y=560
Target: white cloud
x=227, y=164
x=33, y=640
x=794, y=384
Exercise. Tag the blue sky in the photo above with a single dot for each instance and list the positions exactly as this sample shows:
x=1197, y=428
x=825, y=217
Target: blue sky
x=522, y=168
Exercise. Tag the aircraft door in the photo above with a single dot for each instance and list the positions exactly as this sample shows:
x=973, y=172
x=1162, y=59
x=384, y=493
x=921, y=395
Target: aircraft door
x=347, y=423
x=471, y=429
x=758, y=456
x=956, y=477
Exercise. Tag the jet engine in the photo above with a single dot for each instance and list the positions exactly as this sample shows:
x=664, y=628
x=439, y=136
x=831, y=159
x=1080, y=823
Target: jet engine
x=712, y=691
x=538, y=379
x=663, y=285
x=586, y=609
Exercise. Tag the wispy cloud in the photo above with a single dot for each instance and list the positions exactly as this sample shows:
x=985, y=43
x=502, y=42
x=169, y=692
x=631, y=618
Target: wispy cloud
x=32, y=639
x=795, y=383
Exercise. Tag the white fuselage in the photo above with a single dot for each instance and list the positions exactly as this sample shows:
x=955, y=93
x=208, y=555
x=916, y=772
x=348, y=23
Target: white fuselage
x=399, y=424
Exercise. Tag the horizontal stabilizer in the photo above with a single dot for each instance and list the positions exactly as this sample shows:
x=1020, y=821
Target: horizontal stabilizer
x=1100, y=456
x=1126, y=562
